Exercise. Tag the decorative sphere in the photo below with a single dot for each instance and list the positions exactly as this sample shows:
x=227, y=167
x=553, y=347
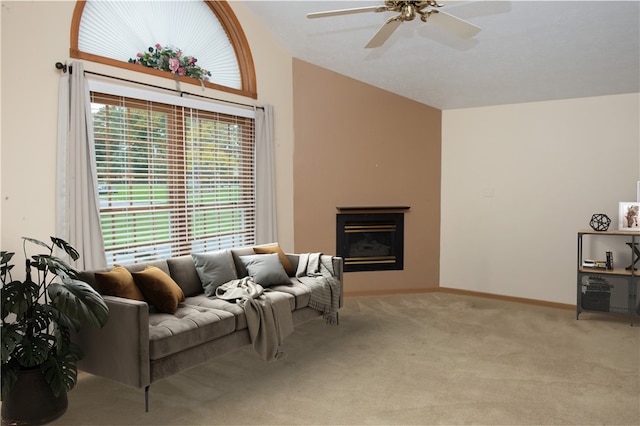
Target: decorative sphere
x=600, y=222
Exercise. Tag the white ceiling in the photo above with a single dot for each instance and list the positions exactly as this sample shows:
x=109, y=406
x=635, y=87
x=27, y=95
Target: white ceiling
x=527, y=51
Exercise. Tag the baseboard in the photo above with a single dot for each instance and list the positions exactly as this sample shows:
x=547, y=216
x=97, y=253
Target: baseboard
x=464, y=293
x=509, y=298
x=390, y=292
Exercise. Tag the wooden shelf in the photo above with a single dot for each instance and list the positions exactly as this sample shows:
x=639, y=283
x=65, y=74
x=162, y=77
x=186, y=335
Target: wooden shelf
x=592, y=232
x=599, y=271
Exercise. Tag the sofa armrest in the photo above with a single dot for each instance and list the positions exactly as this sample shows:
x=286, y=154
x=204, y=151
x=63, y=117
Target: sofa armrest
x=338, y=270
x=120, y=350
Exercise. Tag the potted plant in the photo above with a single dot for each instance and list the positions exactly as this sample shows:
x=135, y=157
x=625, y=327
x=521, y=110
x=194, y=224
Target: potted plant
x=39, y=315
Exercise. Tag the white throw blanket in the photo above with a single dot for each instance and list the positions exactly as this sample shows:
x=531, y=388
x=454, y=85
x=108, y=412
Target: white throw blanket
x=269, y=321
x=268, y=314
x=315, y=270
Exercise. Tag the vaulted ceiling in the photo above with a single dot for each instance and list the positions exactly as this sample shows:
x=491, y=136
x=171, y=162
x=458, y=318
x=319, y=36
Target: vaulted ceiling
x=527, y=51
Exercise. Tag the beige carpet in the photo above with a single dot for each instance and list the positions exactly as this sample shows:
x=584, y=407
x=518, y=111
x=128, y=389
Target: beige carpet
x=425, y=359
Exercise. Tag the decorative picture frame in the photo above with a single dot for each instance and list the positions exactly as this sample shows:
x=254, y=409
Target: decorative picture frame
x=629, y=216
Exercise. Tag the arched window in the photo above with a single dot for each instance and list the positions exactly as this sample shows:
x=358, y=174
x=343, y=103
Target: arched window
x=112, y=32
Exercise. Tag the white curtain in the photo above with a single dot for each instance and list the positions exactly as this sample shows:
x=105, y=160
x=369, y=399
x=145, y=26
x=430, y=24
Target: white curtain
x=77, y=209
x=266, y=230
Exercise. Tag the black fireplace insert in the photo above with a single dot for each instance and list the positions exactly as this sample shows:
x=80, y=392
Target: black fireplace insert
x=370, y=241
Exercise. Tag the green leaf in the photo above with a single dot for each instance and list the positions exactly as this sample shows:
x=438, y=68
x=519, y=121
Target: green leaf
x=68, y=248
x=19, y=296
x=11, y=337
x=27, y=340
x=57, y=266
x=61, y=319
x=79, y=301
x=5, y=256
x=33, y=350
x=38, y=242
x=39, y=262
x=61, y=371
x=41, y=318
x=4, y=271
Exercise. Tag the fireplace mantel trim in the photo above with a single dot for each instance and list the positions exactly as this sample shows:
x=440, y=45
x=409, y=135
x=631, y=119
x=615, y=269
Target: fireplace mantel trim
x=373, y=209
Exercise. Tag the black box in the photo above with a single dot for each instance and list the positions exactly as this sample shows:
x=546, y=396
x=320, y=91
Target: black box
x=596, y=300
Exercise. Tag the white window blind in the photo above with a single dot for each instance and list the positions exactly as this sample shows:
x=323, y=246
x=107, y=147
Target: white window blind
x=172, y=179
x=134, y=26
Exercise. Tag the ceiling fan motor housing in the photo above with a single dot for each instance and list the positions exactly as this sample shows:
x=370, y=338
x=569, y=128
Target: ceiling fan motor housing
x=409, y=9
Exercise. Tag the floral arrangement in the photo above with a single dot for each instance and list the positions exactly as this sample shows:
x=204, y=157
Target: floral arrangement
x=172, y=60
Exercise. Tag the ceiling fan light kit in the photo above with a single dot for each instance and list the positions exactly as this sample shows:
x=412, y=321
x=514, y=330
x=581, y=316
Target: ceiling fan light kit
x=407, y=11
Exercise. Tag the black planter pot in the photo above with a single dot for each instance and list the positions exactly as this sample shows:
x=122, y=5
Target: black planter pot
x=31, y=401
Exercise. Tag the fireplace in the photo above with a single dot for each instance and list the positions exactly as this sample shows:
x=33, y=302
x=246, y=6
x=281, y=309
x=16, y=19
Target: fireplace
x=370, y=240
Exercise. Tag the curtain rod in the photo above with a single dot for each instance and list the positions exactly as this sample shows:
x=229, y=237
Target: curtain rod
x=65, y=67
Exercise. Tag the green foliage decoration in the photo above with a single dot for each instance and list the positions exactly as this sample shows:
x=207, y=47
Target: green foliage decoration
x=38, y=316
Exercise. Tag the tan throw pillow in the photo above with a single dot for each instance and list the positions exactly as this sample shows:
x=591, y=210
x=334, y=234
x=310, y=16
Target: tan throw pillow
x=275, y=248
x=118, y=282
x=159, y=289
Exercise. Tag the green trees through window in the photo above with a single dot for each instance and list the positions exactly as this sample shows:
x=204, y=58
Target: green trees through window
x=171, y=180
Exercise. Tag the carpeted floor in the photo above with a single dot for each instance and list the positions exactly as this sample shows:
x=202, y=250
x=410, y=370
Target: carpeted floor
x=426, y=359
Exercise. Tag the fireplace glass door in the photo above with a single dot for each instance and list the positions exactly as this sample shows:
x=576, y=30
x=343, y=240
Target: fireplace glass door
x=370, y=241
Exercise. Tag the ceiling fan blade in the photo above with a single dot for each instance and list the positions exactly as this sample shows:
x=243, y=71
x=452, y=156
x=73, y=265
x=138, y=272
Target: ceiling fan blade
x=346, y=11
x=453, y=24
x=384, y=32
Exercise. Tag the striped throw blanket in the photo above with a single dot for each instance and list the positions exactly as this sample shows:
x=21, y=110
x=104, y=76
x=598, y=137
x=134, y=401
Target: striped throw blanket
x=315, y=270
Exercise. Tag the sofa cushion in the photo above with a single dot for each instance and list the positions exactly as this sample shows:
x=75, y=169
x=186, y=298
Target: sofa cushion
x=118, y=282
x=300, y=292
x=275, y=248
x=241, y=271
x=214, y=269
x=214, y=303
x=189, y=326
x=183, y=271
x=159, y=288
x=265, y=269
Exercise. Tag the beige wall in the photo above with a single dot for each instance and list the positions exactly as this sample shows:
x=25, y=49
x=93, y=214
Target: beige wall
x=518, y=182
x=35, y=35
x=357, y=145
x=29, y=108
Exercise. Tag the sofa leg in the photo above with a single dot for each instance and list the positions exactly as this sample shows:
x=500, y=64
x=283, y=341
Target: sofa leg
x=146, y=399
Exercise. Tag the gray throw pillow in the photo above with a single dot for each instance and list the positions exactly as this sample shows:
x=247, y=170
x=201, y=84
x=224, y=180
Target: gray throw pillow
x=265, y=269
x=214, y=269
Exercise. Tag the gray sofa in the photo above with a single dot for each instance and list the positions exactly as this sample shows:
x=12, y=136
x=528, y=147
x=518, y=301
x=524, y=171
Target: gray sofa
x=141, y=345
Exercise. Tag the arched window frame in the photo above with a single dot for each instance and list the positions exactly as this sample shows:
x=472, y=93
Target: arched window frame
x=229, y=22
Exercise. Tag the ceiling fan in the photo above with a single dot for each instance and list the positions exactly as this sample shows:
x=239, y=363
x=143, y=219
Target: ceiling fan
x=407, y=10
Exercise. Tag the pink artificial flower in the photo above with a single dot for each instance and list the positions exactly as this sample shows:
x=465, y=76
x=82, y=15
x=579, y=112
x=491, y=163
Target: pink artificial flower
x=179, y=53
x=182, y=71
x=192, y=60
x=174, y=64
x=158, y=46
x=140, y=55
